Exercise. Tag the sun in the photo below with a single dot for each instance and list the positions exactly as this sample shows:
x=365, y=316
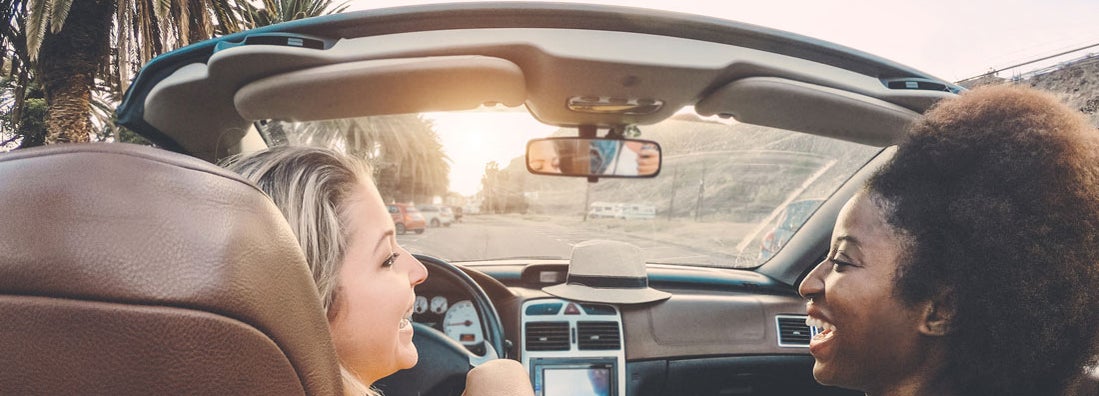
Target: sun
x=474, y=138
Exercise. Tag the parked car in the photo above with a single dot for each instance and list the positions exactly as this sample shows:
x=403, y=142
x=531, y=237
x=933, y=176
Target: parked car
x=457, y=213
x=812, y=119
x=637, y=212
x=449, y=212
x=437, y=215
x=604, y=210
x=621, y=211
x=407, y=218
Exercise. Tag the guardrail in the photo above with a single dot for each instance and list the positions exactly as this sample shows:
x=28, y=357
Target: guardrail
x=1044, y=70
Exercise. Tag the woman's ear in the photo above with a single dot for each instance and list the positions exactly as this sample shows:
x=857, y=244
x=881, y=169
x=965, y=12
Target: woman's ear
x=937, y=315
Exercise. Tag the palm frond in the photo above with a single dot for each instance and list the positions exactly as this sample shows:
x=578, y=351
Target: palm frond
x=9, y=11
x=147, y=30
x=38, y=18
x=59, y=11
x=276, y=11
x=102, y=115
x=183, y=23
x=204, y=16
x=338, y=8
x=124, y=22
x=226, y=17
x=166, y=24
x=161, y=9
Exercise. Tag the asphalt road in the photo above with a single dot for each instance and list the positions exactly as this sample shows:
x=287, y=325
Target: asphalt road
x=512, y=236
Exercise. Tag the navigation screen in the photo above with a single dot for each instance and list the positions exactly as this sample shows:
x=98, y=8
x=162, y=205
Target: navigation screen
x=576, y=382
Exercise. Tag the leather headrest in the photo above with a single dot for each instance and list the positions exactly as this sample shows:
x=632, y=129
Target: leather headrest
x=128, y=269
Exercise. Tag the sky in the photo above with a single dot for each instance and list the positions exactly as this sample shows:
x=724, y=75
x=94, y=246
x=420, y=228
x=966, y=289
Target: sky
x=952, y=40
x=497, y=138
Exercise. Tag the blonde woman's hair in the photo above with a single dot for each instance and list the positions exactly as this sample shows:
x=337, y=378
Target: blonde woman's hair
x=312, y=189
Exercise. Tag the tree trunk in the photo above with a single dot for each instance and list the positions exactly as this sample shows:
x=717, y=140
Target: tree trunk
x=67, y=63
x=20, y=91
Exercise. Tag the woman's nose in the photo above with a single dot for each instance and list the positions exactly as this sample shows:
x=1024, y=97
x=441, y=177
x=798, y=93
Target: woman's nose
x=813, y=283
x=417, y=273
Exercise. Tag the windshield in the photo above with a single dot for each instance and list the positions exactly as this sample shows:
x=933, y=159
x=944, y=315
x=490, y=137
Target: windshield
x=728, y=194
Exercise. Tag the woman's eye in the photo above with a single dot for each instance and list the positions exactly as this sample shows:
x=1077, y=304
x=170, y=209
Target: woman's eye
x=839, y=266
x=391, y=260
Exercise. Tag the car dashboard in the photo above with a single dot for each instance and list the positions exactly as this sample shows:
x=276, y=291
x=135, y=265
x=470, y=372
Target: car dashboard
x=723, y=332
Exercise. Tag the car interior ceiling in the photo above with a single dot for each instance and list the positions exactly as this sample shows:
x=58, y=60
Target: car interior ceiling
x=829, y=101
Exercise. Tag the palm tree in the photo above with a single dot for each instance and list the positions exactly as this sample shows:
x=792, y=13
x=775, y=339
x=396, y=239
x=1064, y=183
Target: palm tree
x=15, y=82
x=408, y=159
x=275, y=11
x=72, y=42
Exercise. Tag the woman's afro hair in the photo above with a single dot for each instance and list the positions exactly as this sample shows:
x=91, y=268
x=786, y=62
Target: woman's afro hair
x=996, y=193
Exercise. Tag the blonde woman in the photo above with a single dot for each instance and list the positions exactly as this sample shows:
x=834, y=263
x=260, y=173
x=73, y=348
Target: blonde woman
x=365, y=279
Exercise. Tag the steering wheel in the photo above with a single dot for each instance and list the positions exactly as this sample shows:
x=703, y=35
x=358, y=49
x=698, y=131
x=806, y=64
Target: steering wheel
x=443, y=364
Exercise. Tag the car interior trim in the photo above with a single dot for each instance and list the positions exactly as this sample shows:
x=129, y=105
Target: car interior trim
x=821, y=110
x=336, y=91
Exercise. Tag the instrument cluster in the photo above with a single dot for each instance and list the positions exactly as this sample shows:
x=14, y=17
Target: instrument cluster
x=454, y=315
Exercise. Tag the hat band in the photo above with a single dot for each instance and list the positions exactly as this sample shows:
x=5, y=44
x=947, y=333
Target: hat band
x=620, y=282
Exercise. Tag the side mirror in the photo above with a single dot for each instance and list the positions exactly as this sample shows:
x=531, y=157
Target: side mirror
x=598, y=157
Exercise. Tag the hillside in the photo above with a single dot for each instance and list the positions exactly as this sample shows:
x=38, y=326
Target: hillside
x=1076, y=83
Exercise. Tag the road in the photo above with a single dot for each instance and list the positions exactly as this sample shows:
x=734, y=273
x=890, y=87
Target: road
x=515, y=236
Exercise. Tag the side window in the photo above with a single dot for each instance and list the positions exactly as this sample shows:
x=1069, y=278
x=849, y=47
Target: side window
x=392, y=209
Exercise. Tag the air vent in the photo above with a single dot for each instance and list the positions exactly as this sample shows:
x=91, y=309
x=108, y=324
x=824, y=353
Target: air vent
x=598, y=336
x=547, y=336
x=793, y=332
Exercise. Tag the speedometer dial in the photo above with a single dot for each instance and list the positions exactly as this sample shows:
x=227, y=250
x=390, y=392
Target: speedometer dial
x=462, y=324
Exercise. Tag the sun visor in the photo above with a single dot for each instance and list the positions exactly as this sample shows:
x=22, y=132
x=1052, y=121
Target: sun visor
x=809, y=108
x=385, y=86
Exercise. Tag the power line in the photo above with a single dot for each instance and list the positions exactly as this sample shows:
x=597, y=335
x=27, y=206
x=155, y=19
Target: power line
x=994, y=71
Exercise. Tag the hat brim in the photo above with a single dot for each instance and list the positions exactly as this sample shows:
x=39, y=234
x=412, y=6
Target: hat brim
x=606, y=295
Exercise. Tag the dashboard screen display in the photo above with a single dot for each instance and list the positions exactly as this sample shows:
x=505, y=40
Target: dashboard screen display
x=576, y=381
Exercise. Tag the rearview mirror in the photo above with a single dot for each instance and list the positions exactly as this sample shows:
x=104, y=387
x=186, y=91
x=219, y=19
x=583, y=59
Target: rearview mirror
x=599, y=157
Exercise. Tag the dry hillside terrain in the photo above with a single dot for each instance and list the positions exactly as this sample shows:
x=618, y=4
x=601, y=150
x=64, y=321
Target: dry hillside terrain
x=1076, y=83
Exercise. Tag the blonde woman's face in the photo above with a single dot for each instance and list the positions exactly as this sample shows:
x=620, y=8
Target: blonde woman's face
x=371, y=328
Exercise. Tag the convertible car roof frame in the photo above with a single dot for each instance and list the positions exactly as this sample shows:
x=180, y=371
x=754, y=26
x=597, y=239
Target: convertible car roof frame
x=516, y=15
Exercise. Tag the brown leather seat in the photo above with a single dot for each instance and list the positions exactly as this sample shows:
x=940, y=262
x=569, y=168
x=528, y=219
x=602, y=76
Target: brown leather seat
x=131, y=270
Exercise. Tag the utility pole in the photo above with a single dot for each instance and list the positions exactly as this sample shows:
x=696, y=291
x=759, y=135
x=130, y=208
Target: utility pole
x=587, y=199
x=701, y=193
x=675, y=185
x=588, y=132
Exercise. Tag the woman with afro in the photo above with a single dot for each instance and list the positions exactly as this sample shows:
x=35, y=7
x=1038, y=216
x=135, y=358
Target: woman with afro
x=969, y=263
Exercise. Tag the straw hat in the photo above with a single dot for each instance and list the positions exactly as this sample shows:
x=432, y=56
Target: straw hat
x=607, y=272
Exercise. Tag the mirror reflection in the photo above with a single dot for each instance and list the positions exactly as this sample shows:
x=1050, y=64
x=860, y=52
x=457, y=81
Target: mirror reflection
x=574, y=156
